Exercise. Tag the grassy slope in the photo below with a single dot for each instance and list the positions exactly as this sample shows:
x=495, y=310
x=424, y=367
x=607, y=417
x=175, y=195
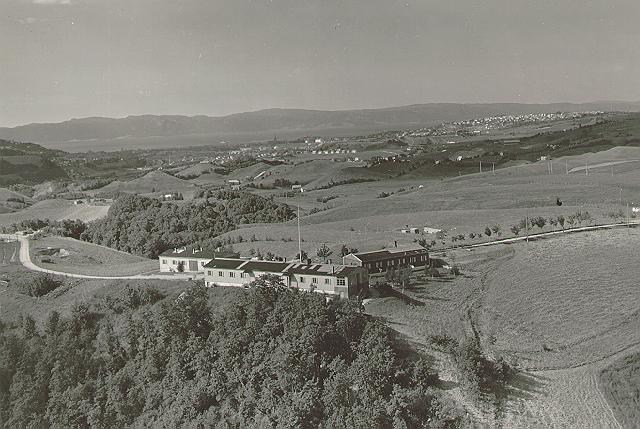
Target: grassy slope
x=57, y=210
x=89, y=258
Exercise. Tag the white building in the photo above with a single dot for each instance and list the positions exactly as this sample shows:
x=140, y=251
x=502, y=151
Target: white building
x=337, y=280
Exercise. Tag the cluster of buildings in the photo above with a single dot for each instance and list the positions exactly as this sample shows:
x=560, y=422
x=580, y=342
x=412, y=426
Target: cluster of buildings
x=347, y=280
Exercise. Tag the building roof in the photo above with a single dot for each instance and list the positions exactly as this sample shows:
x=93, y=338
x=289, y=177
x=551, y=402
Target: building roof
x=283, y=267
x=269, y=266
x=188, y=252
x=229, y=264
x=393, y=252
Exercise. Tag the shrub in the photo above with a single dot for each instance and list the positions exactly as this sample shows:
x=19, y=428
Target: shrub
x=35, y=284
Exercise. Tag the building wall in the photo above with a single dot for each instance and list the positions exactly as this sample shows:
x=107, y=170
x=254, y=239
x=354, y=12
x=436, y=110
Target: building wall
x=230, y=277
x=344, y=287
x=170, y=263
x=351, y=260
x=382, y=266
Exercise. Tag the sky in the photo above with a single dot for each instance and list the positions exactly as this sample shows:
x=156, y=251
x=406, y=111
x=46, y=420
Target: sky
x=63, y=59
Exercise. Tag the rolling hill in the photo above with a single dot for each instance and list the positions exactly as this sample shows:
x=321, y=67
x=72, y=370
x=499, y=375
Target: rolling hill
x=264, y=123
x=153, y=183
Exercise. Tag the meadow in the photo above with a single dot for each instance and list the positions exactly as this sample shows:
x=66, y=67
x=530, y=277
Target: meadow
x=565, y=301
x=79, y=257
x=55, y=210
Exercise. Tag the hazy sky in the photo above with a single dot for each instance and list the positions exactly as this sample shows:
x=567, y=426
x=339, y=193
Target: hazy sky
x=73, y=58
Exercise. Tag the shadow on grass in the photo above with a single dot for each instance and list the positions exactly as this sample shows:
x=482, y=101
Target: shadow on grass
x=405, y=298
x=522, y=385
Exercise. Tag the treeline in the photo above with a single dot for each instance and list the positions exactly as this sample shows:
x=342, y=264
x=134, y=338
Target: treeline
x=148, y=227
x=65, y=227
x=277, y=358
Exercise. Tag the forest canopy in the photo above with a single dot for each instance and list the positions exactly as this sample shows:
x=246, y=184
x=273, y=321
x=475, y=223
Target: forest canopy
x=274, y=358
x=147, y=226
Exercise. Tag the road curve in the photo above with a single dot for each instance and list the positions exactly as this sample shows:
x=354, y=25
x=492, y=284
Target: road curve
x=25, y=260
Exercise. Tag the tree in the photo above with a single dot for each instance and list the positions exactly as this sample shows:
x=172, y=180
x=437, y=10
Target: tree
x=323, y=252
x=303, y=257
x=390, y=275
x=497, y=230
x=181, y=267
x=344, y=250
x=487, y=231
x=539, y=221
x=515, y=229
x=561, y=221
x=404, y=276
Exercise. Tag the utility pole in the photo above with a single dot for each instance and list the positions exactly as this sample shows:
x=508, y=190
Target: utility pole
x=628, y=220
x=493, y=168
x=480, y=166
x=566, y=168
x=299, y=238
x=620, y=196
x=586, y=168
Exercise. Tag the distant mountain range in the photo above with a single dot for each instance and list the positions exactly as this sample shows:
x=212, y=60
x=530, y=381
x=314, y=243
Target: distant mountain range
x=264, y=124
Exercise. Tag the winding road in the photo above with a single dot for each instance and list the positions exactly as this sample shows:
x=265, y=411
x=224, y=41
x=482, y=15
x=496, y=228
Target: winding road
x=25, y=260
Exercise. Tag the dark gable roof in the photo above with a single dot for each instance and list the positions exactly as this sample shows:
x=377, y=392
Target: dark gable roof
x=270, y=266
x=386, y=254
x=323, y=269
x=205, y=254
x=229, y=264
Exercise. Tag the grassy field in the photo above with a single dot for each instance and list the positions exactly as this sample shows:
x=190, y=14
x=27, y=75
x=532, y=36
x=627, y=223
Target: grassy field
x=560, y=302
x=56, y=210
x=621, y=385
x=79, y=257
x=557, y=308
x=155, y=183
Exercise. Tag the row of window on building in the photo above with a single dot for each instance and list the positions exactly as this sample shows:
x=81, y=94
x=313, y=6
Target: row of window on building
x=314, y=280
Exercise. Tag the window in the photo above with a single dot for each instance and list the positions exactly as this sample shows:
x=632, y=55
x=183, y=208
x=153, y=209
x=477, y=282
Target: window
x=209, y=272
x=232, y=274
x=341, y=282
x=202, y=263
x=220, y=274
x=301, y=279
x=174, y=262
x=314, y=280
x=244, y=275
x=327, y=281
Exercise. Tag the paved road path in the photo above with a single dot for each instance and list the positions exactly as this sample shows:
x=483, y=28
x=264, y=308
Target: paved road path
x=25, y=260
x=533, y=237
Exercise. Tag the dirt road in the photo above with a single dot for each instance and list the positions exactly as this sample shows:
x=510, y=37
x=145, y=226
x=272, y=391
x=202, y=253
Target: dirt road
x=25, y=260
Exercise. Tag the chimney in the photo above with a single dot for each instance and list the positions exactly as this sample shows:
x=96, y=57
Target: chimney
x=308, y=261
x=395, y=243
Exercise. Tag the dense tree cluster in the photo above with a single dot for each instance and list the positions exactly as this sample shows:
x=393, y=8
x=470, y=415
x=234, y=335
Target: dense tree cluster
x=35, y=284
x=148, y=227
x=65, y=227
x=275, y=358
